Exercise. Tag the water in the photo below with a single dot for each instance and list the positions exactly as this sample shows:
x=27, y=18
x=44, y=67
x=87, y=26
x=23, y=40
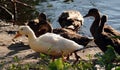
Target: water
x=108, y=7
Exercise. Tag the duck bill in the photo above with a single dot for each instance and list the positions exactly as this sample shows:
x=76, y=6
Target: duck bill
x=86, y=16
x=17, y=35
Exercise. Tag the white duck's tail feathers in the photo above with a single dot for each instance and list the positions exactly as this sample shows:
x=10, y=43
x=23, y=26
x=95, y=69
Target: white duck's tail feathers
x=80, y=48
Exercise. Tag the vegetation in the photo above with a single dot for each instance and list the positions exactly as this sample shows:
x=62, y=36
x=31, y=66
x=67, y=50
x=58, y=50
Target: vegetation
x=107, y=60
x=18, y=10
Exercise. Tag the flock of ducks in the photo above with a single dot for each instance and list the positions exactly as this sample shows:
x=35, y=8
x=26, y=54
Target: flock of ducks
x=62, y=42
x=103, y=34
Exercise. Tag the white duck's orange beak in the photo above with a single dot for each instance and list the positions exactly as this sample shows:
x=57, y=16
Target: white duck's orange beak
x=17, y=35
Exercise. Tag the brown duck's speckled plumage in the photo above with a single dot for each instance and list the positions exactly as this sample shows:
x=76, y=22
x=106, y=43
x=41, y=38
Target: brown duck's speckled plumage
x=71, y=18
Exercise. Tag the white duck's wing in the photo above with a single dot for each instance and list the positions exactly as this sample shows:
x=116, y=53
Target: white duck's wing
x=49, y=38
x=59, y=44
x=68, y=45
x=49, y=42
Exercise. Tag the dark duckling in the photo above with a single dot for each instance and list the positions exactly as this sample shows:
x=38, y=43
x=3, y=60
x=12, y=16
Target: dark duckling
x=72, y=19
x=103, y=38
x=40, y=25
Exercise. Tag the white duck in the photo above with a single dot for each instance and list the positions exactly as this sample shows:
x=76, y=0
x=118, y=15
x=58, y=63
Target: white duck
x=49, y=43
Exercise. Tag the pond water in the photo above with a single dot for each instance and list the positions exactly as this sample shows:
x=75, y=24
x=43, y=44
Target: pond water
x=53, y=8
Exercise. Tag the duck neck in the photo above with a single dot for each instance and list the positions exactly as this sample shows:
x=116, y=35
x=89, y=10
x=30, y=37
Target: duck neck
x=101, y=26
x=95, y=24
x=31, y=36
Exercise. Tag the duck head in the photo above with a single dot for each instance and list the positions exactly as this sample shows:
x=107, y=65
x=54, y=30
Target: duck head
x=23, y=30
x=104, y=18
x=92, y=12
x=42, y=16
x=36, y=22
x=40, y=25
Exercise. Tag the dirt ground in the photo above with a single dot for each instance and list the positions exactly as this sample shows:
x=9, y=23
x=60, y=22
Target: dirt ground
x=20, y=48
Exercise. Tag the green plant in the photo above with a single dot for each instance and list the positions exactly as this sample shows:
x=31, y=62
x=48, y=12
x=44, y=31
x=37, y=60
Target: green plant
x=19, y=11
x=117, y=68
x=118, y=37
x=56, y=65
x=106, y=59
x=86, y=64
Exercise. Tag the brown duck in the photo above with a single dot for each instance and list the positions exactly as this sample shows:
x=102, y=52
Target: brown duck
x=72, y=19
x=40, y=25
x=103, y=34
